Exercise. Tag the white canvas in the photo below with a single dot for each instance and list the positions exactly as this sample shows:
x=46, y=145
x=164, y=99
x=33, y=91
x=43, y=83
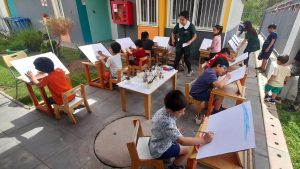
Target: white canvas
x=126, y=43
x=206, y=43
x=91, y=51
x=161, y=41
x=232, y=45
x=237, y=74
x=240, y=58
x=26, y=64
x=233, y=131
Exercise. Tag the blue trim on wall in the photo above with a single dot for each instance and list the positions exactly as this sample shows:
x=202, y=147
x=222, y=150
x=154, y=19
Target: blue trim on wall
x=12, y=8
x=84, y=22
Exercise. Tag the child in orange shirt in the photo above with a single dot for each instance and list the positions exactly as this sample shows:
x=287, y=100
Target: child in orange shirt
x=56, y=80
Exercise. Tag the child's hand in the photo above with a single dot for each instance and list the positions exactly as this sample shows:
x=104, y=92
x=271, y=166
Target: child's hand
x=208, y=137
x=29, y=74
x=228, y=76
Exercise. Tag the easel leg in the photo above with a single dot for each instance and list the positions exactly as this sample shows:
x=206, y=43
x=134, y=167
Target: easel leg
x=100, y=74
x=87, y=74
x=45, y=99
x=210, y=104
x=32, y=95
x=148, y=106
x=174, y=79
x=191, y=163
x=123, y=99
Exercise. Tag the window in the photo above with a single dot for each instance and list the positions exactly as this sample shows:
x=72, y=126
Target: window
x=147, y=12
x=203, y=13
x=58, y=8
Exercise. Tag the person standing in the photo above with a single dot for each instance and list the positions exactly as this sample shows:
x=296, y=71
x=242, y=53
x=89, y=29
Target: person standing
x=185, y=34
x=295, y=71
x=253, y=42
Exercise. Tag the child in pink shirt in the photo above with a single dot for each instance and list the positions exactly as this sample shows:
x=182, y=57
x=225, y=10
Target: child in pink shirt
x=216, y=41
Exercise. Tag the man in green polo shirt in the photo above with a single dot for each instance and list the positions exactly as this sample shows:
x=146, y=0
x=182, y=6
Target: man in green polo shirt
x=185, y=34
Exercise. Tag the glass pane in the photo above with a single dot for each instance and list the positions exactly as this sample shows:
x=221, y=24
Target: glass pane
x=144, y=11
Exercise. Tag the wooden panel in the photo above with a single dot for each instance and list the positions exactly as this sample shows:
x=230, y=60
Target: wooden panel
x=153, y=31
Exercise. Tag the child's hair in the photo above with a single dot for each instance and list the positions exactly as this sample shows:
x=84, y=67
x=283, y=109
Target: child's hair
x=115, y=47
x=175, y=100
x=272, y=26
x=144, y=35
x=225, y=50
x=249, y=28
x=283, y=59
x=139, y=43
x=219, y=28
x=184, y=14
x=221, y=62
x=44, y=64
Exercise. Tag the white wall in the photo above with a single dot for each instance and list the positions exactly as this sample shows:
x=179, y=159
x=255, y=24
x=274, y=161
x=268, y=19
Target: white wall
x=3, y=11
x=236, y=11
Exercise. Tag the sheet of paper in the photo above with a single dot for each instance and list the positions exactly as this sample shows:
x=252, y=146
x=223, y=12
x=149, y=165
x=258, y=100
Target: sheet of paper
x=185, y=45
x=233, y=131
x=235, y=75
x=232, y=45
x=26, y=64
x=126, y=43
x=240, y=58
x=206, y=43
x=162, y=41
x=91, y=51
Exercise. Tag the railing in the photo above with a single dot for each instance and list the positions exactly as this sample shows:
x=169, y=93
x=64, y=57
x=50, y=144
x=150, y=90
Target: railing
x=284, y=16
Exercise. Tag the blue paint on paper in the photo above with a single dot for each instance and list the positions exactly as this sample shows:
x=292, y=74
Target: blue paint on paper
x=246, y=122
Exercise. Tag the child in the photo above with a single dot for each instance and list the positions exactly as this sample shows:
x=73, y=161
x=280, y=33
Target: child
x=279, y=77
x=216, y=41
x=114, y=62
x=225, y=53
x=267, y=47
x=208, y=80
x=138, y=53
x=147, y=43
x=167, y=141
x=56, y=80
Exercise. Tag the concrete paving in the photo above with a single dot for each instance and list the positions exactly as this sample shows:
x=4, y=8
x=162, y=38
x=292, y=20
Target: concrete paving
x=30, y=139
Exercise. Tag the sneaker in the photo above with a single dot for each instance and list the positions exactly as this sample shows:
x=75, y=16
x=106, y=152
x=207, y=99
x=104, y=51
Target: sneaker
x=190, y=74
x=173, y=166
x=267, y=97
x=272, y=101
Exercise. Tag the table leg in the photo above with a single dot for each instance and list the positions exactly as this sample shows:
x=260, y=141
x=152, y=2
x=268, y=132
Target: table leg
x=210, y=104
x=123, y=99
x=174, y=79
x=45, y=99
x=148, y=106
x=100, y=74
x=87, y=74
x=191, y=163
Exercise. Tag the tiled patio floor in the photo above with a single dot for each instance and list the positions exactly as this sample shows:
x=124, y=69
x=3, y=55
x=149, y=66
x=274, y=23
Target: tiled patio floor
x=30, y=139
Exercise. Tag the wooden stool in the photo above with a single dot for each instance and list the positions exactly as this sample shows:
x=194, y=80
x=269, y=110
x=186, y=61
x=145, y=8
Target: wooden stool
x=119, y=77
x=140, y=67
x=68, y=107
x=139, y=150
x=191, y=100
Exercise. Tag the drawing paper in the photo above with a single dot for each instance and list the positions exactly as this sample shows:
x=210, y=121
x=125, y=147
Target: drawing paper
x=240, y=58
x=237, y=74
x=126, y=43
x=161, y=41
x=232, y=45
x=91, y=51
x=206, y=43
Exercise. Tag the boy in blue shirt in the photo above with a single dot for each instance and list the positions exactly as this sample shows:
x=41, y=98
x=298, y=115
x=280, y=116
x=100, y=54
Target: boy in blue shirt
x=167, y=141
x=202, y=87
x=267, y=47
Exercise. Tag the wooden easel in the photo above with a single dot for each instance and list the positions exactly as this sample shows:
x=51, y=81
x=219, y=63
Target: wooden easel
x=235, y=160
x=239, y=96
x=97, y=82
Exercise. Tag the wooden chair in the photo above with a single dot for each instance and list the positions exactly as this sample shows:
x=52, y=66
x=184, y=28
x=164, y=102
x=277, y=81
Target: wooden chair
x=191, y=100
x=150, y=58
x=139, y=151
x=68, y=107
x=7, y=59
x=140, y=67
x=119, y=77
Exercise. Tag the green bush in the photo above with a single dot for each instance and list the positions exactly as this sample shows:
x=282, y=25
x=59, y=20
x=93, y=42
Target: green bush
x=3, y=43
x=30, y=39
x=46, y=46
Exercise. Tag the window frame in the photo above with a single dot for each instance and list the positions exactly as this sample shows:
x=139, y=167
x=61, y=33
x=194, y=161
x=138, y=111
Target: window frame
x=139, y=13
